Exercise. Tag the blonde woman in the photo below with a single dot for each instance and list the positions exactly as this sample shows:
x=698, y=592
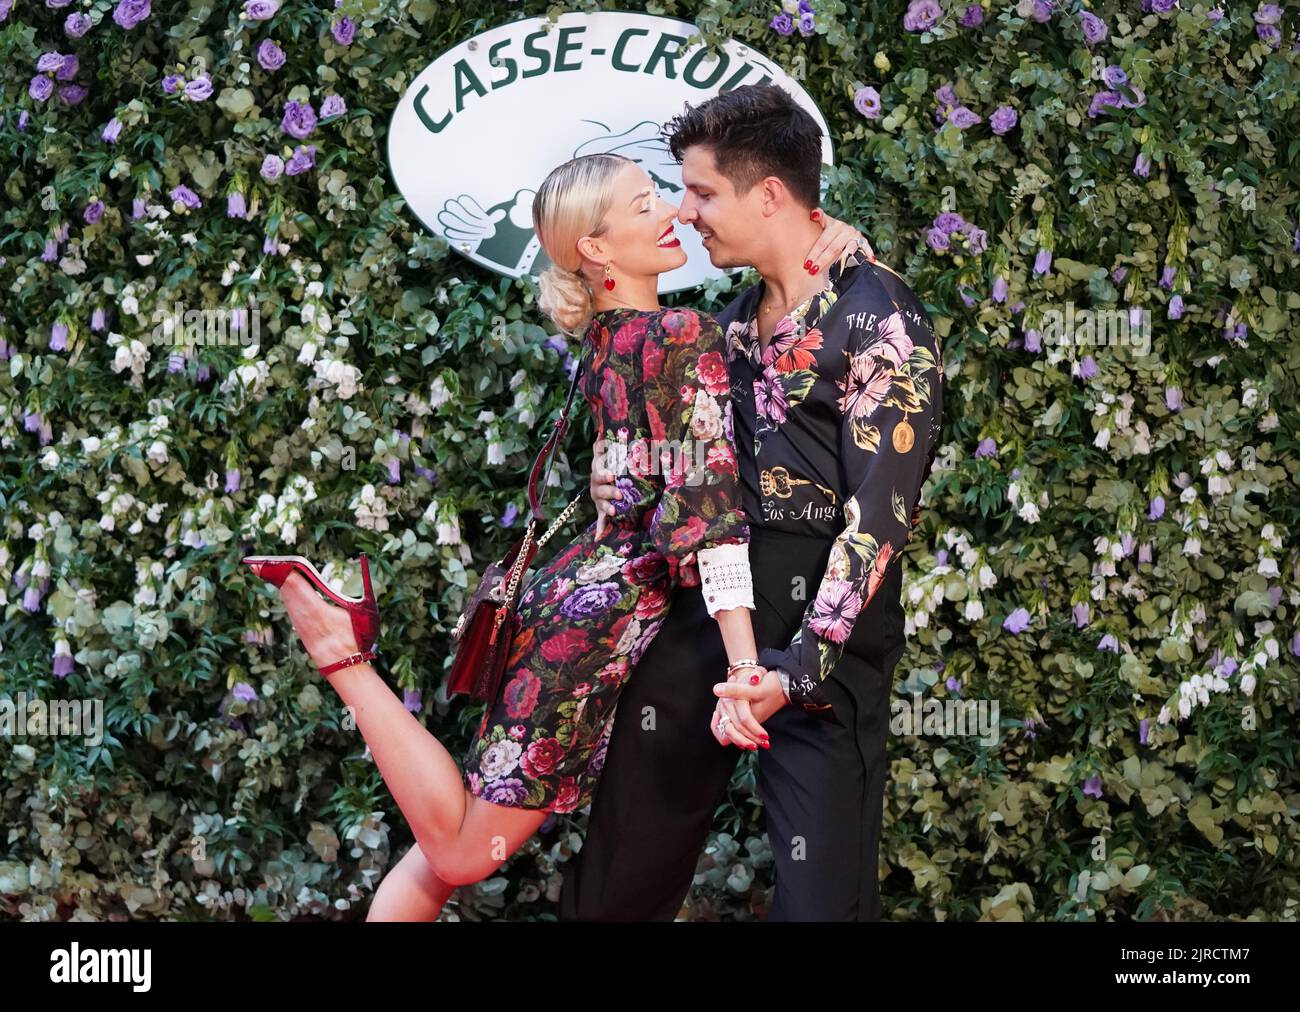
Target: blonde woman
x=587, y=616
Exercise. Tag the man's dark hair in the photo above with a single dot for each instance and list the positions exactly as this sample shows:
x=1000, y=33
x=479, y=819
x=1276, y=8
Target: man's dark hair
x=754, y=132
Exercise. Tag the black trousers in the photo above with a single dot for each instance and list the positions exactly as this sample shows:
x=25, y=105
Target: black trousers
x=821, y=783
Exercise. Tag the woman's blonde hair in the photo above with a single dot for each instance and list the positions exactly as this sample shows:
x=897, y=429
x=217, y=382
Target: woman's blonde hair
x=571, y=203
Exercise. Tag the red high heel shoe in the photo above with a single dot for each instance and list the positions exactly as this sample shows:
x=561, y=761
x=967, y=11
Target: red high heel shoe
x=275, y=569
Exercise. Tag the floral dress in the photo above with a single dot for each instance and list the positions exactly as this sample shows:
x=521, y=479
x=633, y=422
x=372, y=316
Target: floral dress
x=658, y=386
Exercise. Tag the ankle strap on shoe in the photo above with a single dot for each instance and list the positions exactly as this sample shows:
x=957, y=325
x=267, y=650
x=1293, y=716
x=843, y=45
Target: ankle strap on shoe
x=349, y=661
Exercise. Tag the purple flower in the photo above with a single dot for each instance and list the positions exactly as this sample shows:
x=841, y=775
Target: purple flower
x=949, y=222
x=1088, y=367
x=270, y=246
x=1114, y=76
x=1109, y=642
x=1092, y=786
x=1119, y=274
x=199, y=89
x=1295, y=644
x=171, y=82
x=1269, y=34
x=508, y=517
x=57, y=4
x=40, y=88
x=137, y=209
x=202, y=372
x=77, y=25
x=941, y=557
x=1003, y=119
x=412, y=700
x=921, y=15
x=394, y=471
x=299, y=120
x=244, y=691
x=1033, y=341
x=269, y=55
x=344, y=29
x=1017, y=622
x=510, y=792
x=303, y=158
x=130, y=13
x=51, y=251
x=59, y=337
x=1042, y=10
x=987, y=448
x=24, y=118
x=1167, y=278
x=63, y=665
x=938, y=239
x=272, y=167
x=232, y=479
x=72, y=94
x=867, y=102
x=32, y=599
x=807, y=24
x=1268, y=14
x=1082, y=613
x=94, y=211
x=97, y=319
x=1213, y=15
x=47, y=63
x=1157, y=508
x=999, y=289
x=952, y=684
x=176, y=362
x=5, y=6
x=972, y=16
x=1043, y=262
x=1102, y=100
x=1094, y=28
x=1144, y=729
x=112, y=131
x=235, y=206
x=1142, y=167
x=1174, y=398
x=261, y=10
x=332, y=106
x=1176, y=307
x=186, y=196
x=782, y=23
x=961, y=117
x=67, y=69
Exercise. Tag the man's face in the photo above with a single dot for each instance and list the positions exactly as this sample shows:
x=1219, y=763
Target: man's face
x=727, y=223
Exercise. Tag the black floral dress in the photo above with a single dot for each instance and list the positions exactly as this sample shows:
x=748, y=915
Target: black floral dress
x=658, y=386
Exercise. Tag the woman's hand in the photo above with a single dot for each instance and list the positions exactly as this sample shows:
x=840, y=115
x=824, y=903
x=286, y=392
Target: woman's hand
x=838, y=239
x=743, y=727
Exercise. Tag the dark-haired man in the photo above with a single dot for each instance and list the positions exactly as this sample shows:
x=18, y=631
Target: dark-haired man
x=836, y=394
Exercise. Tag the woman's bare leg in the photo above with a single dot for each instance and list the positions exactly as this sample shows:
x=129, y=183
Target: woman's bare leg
x=410, y=891
x=463, y=838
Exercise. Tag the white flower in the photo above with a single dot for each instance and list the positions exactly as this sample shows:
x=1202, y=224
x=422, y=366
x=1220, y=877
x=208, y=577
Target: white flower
x=1268, y=567
x=1163, y=718
x=157, y=452
x=1192, y=546
x=1029, y=512
x=308, y=353
x=974, y=610
x=706, y=417
x=438, y=392
x=1102, y=439
x=1013, y=492
x=50, y=459
x=1248, y=684
x=448, y=527
x=500, y=758
x=986, y=577
x=495, y=454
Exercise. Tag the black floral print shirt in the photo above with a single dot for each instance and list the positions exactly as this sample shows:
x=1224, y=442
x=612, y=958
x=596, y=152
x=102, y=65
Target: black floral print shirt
x=842, y=413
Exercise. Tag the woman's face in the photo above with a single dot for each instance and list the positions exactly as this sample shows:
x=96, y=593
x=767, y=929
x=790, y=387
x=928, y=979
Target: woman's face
x=638, y=238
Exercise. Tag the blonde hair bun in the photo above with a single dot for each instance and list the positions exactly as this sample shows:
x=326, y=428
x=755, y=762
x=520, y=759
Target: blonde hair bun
x=566, y=298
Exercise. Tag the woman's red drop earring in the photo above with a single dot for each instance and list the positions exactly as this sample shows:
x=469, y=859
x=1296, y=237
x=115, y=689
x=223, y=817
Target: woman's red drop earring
x=609, y=282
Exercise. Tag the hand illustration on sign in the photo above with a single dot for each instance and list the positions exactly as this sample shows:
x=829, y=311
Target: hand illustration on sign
x=501, y=234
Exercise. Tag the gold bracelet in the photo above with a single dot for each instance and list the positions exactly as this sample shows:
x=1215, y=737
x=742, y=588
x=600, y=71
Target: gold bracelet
x=749, y=663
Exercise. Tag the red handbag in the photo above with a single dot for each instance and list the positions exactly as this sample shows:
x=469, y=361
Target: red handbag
x=488, y=625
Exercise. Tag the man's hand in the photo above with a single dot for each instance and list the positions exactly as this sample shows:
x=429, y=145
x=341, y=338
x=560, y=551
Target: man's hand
x=746, y=706
x=603, y=489
x=837, y=239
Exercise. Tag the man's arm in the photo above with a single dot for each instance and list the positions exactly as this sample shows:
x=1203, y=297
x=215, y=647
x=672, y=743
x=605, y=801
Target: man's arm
x=891, y=402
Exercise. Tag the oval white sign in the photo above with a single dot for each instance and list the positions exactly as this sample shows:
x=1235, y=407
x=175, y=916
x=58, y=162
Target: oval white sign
x=480, y=127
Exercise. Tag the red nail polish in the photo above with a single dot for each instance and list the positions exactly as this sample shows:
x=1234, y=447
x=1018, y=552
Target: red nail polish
x=807, y=264
x=814, y=270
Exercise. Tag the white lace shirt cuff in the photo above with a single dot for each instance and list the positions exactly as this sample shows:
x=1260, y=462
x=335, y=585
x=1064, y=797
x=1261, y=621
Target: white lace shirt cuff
x=725, y=579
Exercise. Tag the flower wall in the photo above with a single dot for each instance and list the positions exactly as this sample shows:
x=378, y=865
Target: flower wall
x=1097, y=200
